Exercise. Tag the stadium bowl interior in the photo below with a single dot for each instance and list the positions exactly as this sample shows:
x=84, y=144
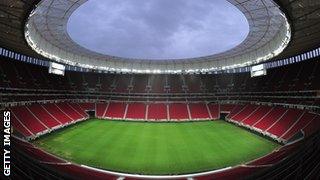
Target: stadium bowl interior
x=251, y=112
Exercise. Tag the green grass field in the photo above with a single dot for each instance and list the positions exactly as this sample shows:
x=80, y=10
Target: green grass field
x=156, y=148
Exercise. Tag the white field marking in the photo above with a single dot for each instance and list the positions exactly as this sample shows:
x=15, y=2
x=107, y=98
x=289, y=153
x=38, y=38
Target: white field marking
x=155, y=176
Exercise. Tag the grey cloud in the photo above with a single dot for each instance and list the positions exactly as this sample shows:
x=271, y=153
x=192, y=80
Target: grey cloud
x=158, y=29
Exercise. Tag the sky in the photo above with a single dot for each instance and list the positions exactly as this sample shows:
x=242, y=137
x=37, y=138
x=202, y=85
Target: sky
x=158, y=29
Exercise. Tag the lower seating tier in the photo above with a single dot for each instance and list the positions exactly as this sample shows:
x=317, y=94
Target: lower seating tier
x=279, y=122
x=37, y=118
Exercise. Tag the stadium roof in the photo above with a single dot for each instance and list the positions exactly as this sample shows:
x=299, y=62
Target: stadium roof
x=303, y=16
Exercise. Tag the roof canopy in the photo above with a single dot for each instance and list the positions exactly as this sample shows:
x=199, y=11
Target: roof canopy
x=269, y=34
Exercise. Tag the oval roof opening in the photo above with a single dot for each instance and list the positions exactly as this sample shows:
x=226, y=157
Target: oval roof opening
x=158, y=29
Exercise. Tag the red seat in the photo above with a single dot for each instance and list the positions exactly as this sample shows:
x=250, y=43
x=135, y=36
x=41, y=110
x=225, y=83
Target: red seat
x=136, y=111
x=178, y=111
x=116, y=110
x=199, y=111
x=157, y=111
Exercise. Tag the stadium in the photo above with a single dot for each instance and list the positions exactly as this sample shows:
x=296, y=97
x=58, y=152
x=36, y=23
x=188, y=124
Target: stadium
x=250, y=110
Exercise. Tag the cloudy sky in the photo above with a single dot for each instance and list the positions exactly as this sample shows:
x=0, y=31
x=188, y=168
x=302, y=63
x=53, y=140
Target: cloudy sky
x=158, y=29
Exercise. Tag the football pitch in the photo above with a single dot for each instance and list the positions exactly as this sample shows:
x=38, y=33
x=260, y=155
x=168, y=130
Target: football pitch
x=156, y=148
